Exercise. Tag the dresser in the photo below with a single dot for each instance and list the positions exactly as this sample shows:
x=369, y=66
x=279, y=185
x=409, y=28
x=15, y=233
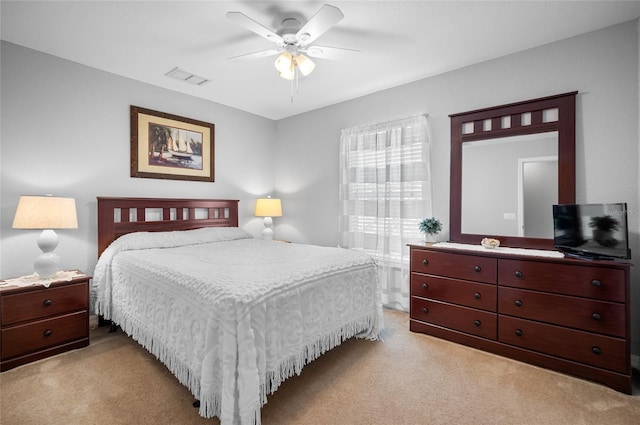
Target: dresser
x=38, y=321
x=563, y=314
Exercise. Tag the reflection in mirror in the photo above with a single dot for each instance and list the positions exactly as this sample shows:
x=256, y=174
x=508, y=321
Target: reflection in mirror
x=509, y=185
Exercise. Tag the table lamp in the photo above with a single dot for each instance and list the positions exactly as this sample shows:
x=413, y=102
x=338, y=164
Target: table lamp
x=46, y=213
x=267, y=208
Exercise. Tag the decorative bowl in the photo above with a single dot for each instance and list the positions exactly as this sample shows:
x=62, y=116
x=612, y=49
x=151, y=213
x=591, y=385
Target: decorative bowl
x=490, y=243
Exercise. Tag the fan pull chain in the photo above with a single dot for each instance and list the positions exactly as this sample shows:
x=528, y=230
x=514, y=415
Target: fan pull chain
x=291, y=91
x=297, y=80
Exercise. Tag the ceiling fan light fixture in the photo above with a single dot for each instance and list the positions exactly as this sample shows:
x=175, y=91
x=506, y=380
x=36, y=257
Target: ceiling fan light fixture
x=289, y=73
x=305, y=64
x=284, y=62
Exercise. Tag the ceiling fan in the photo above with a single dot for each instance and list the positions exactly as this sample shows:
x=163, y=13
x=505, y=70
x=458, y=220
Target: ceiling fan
x=293, y=41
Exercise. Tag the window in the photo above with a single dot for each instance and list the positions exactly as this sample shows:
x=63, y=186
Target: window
x=385, y=190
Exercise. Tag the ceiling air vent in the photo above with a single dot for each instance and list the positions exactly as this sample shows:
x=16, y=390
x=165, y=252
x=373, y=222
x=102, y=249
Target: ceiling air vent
x=189, y=77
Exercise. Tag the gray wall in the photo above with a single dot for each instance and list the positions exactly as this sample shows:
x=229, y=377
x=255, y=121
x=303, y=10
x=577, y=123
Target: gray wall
x=65, y=130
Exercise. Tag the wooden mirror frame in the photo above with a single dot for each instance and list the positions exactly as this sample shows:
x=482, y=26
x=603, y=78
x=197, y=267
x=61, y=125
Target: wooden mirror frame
x=564, y=125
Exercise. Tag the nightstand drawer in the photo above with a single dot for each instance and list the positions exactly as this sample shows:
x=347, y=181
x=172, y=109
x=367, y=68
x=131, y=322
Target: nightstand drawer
x=43, y=302
x=34, y=336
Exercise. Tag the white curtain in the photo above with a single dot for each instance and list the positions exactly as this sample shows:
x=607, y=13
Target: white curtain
x=385, y=190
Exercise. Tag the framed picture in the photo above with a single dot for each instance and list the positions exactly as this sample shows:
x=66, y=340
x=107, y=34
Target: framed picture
x=165, y=146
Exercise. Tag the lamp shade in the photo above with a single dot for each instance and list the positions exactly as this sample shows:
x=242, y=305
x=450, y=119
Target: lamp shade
x=288, y=74
x=268, y=207
x=45, y=212
x=284, y=62
x=305, y=64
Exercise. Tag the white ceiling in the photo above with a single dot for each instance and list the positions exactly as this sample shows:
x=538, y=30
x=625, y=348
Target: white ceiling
x=399, y=41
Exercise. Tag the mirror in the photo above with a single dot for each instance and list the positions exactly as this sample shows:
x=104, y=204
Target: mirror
x=523, y=170
x=509, y=165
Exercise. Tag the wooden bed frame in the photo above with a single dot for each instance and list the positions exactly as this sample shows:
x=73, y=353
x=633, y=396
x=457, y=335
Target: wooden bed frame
x=119, y=216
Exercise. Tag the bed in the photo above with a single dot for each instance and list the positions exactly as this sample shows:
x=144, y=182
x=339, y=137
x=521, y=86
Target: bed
x=230, y=315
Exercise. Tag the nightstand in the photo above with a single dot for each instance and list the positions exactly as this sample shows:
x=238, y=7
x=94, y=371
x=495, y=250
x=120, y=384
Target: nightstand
x=38, y=321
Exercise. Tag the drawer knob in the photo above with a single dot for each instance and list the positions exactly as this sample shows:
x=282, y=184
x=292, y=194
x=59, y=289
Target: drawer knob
x=477, y=268
x=477, y=296
x=596, y=316
x=425, y=262
x=518, y=273
x=518, y=332
x=519, y=303
x=47, y=302
x=425, y=286
x=425, y=310
x=477, y=323
x=596, y=282
x=596, y=350
x=48, y=332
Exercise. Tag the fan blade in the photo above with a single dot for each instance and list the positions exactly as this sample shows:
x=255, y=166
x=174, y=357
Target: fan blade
x=251, y=25
x=319, y=23
x=256, y=55
x=325, y=52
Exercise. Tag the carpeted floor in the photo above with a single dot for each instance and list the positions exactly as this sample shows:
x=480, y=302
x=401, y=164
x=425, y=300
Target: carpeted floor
x=407, y=379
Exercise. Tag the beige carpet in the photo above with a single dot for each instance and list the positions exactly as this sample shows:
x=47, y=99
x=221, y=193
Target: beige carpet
x=407, y=379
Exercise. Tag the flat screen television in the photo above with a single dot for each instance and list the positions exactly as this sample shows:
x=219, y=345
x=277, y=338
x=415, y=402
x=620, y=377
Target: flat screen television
x=593, y=231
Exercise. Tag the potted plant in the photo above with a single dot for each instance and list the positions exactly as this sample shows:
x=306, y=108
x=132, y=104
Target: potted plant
x=603, y=228
x=430, y=226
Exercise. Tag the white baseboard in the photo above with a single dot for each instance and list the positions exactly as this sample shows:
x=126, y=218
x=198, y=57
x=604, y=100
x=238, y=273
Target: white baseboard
x=635, y=361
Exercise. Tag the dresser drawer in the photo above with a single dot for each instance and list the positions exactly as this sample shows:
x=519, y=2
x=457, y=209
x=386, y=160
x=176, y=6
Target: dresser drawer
x=464, y=319
x=460, y=266
x=43, y=302
x=580, y=313
x=597, y=350
x=591, y=282
x=463, y=292
x=34, y=336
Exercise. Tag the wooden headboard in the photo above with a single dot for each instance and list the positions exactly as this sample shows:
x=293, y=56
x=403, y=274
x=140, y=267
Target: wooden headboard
x=119, y=216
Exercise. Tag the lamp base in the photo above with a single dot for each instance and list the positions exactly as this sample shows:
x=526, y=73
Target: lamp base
x=267, y=233
x=47, y=264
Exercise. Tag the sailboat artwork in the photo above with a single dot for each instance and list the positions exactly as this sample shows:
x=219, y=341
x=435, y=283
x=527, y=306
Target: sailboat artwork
x=175, y=147
x=179, y=148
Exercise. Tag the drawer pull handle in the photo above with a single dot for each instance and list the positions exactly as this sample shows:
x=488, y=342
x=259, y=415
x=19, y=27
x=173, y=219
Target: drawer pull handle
x=596, y=350
x=47, y=302
x=48, y=332
x=425, y=262
x=596, y=282
x=518, y=303
x=425, y=310
x=596, y=316
x=477, y=269
x=477, y=323
x=477, y=296
x=518, y=332
x=518, y=273
x=425, y=286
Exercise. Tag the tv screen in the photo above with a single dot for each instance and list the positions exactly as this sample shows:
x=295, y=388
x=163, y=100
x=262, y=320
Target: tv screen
x=592, y=230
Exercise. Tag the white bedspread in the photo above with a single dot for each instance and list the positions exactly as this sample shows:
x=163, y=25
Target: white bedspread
x=231, y=316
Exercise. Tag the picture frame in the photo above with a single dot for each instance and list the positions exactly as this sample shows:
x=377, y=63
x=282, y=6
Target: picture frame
x=166, y=146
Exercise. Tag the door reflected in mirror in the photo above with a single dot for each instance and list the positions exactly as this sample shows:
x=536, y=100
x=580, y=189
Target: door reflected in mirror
x=509, y=185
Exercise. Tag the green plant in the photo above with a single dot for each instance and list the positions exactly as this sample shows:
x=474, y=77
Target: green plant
x=430, y=225
x=605, y=223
